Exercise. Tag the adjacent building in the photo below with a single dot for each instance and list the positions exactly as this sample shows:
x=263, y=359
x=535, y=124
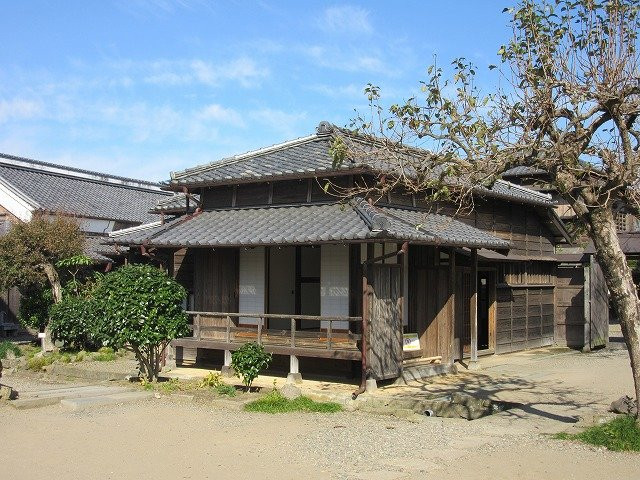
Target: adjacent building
x=101, y=203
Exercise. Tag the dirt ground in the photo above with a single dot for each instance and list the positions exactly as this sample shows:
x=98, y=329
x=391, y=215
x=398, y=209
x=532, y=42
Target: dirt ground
x=173, y=438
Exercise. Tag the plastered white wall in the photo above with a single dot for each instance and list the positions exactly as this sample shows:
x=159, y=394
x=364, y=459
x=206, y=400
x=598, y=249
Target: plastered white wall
x=334, y=283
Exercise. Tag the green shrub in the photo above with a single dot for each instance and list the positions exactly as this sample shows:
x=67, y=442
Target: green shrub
x=212, y=380
x=81, y=356
x=74, y=324
x=274, y=402
x=30, y=350
x=620, y=434
x=103, y=357
x=141, y=307
x=248, y=361
x=36, y=363
x=6, y=347
x=170, y=386
x=35, y=302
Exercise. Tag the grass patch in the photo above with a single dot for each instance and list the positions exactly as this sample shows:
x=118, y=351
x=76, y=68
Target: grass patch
x=9, y=347
x=274, y=402
x=105, y=354
x=620, y=434
x=224, y=389
x=37, y=362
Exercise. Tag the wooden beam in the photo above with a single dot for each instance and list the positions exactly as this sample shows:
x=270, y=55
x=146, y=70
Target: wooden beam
x=277, y=349
x=473, y=310
x=452, y=305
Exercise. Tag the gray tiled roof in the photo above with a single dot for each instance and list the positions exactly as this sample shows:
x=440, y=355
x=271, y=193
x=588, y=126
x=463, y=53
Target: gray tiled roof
x=302, y=157
x=509, y=191
x=522, y=171
x=175, y=203
x=310, y=223
x=310, y=156
x=79, y=192
x=95, y=248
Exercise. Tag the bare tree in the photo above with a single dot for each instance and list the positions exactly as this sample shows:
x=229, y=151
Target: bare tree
x=568, y=104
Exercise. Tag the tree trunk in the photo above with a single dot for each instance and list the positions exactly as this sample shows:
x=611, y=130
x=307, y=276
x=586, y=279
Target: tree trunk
x=624, y=295
x=54, y=281
x=56, y=289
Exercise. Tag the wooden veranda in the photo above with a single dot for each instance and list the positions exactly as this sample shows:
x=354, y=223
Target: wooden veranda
x=226, y=331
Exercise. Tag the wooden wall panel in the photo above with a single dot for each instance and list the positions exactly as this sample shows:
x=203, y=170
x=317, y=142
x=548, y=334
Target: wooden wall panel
x=183, y=268
x=216, y=197
x=385, y=313
x=252, y=194
x=290, y=192
x=430, y=302
x=216, y=280
x=569, y=306
x=524, y=318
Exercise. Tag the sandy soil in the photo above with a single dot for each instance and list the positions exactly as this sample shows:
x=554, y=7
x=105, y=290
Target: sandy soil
x=171, y=438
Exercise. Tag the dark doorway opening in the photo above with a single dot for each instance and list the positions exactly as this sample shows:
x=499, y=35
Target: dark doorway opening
x=485, y=301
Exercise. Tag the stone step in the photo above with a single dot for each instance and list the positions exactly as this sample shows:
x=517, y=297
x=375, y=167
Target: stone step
x=76, y=404
x=419, y=371
x=52, y=396
x=86, y=390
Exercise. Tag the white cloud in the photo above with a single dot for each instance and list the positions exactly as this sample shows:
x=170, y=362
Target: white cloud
x=339, y=91
x=243, y=70
x=346, y=19
x=19, y=109
x=278, y=120
x=345, y=60
x=220, y=114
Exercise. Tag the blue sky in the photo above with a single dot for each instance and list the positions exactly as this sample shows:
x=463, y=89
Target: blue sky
x=143, y=87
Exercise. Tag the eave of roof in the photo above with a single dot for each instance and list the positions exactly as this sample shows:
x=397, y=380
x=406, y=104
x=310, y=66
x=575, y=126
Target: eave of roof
x=310, y=223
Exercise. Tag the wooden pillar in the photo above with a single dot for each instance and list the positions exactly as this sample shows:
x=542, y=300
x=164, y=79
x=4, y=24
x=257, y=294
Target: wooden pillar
x=473, y=310
x=586, y=345
x=452, y=306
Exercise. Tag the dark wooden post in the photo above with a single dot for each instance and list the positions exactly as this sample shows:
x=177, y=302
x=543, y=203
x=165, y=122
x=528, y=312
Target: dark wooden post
x=586, y=347
x=452, y=305
x=473, y=310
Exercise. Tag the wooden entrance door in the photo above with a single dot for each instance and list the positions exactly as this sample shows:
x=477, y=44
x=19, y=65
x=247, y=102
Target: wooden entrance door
x=486, y=289
x=598, y=305
x=385, y=315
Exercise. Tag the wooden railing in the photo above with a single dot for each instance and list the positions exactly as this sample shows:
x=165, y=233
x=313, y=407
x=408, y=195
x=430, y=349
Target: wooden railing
x=225, y=327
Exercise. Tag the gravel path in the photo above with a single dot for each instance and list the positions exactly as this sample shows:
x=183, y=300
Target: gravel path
x=172, y=437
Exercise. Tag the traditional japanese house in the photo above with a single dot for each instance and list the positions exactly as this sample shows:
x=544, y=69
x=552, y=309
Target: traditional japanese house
x=330, y=285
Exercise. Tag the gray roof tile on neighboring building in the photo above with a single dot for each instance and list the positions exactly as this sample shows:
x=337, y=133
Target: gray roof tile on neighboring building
x=95, y=249
x=80, y=192
x=300, y=224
